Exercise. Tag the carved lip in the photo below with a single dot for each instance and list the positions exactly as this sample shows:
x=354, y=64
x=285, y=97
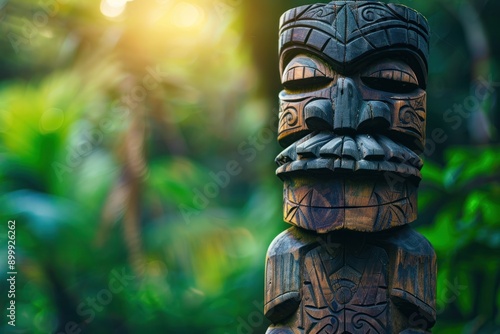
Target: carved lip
x=326, y=151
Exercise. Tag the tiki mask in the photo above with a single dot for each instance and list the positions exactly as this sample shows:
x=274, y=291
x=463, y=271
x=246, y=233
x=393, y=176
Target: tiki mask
x=352, y=114
x=352, y=121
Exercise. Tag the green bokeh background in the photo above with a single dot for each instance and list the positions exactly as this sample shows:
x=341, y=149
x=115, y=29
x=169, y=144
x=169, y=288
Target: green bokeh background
x=113, y=132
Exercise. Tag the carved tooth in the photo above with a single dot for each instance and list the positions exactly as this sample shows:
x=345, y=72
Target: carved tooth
x=347, y=164
x=370, y=149
x=280, y=160
x=365, y=165
x=287, y=155
x=333, y=148
x=417, y=173
x=337, y=163
x=392, y=150
x=387, y=166
x=407, y=169
x=320, y=164
x=403, y=169
x=412, y=158
x=331, y=164
x=280, y=170
x=350, y=149
x=414, y=171
x=406, y=153
x=298, y=165
x=310, y=148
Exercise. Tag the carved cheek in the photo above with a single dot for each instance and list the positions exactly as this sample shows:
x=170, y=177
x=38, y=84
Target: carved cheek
x=409, y=119
x=291, y=121
x=301, y=114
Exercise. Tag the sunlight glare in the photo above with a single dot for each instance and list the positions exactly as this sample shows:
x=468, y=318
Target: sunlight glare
x=186, y=15
x=113, y=8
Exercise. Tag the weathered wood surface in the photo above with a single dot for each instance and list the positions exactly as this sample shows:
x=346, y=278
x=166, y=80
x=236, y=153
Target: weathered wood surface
x=350, y=282
x=352, y=121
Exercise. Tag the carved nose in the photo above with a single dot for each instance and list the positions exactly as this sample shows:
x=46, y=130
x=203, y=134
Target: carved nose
x=343, y=117
x=348, y=113
x=348, y=104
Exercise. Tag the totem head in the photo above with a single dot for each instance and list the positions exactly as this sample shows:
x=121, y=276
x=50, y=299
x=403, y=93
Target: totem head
x=352, y=114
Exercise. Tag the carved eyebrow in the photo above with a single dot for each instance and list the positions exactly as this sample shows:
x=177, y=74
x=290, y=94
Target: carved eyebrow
x=394, y=74
x=390, y=75
x=306, y=71
x=300, y=72
x=394, y=70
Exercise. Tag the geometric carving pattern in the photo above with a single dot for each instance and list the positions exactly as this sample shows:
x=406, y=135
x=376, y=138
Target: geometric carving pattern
x=352, y=125
x=364, y=204
x=345, y=282
x=345, y=291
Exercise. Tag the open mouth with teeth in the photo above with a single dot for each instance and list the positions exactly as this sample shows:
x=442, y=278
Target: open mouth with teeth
x=361, y=153
x=360, y=182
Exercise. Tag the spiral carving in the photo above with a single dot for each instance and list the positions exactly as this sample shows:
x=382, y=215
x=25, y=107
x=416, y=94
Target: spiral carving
x=407, y=115
x=351, y=124
x=289, y=117
x=369, y=14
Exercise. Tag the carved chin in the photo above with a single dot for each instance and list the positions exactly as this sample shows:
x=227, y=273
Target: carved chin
x=362, y=183
x=365, y=204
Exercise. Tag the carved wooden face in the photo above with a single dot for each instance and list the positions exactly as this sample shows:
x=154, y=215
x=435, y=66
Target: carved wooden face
x=352, y=129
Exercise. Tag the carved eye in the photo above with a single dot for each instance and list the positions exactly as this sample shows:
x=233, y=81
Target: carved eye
x=306, y=73
x=392, y=76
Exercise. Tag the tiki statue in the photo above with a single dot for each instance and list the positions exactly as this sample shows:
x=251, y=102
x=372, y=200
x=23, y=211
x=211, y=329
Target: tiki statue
x=352, y=122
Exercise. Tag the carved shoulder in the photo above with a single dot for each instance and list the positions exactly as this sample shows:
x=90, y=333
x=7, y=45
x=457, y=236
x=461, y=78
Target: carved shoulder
x=283, y=272
x=414, y=276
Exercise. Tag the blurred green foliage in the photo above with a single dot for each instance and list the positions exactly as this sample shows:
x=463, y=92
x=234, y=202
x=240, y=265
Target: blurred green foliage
x=136, y=156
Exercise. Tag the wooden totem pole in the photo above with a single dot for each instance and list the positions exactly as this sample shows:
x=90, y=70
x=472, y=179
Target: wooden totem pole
x=352, y=121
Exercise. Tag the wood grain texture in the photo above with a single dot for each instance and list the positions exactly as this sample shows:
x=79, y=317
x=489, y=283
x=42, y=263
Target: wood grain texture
x=350, y=282
x=358, y=203
x=352, y=124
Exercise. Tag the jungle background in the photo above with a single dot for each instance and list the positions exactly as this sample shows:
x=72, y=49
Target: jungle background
x=137, y=141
